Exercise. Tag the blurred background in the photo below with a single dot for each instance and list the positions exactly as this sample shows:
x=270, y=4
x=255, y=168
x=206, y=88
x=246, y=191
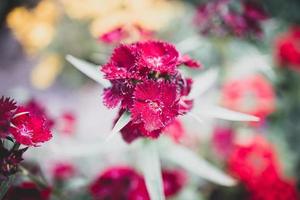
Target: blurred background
x=253, y=44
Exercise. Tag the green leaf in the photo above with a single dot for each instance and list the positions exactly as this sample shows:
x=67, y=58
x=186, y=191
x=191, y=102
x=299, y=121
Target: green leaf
x=5, y=184
x=194, y=163
x=150, y=166
x=224, y=113
x=121, y=123
x=89, y=69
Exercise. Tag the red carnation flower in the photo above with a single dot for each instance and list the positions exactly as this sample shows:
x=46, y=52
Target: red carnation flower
x=27, y=191
x=253, y=95
x=119, y=183
x=7, y=109
x=30, y=129
x=173, y=181
x=146, y=82
x=288, y=49
x=114, y=36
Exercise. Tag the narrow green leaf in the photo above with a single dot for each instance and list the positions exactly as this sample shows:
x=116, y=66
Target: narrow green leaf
x=195, y=164
x=150, y=166
x=88, y=69
x=122, y=121
x=224, y=113
x=4, y=185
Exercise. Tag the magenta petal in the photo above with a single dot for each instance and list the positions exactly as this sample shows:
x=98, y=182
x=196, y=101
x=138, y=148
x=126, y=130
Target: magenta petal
x=111, y=97
x=158, y=56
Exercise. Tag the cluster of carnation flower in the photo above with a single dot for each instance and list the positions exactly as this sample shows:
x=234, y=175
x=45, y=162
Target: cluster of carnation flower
x=23, y=125
x=125, y=183
x=224, y=17
x=146, y=82
x=256, y=165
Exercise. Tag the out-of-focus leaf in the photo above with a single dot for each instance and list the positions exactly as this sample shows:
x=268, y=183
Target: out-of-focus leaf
x=88, y=69
x=224, y=113
x=195, y=164
x=203, y=82
x=189, y=44
x=5, y=184
x=150, y=166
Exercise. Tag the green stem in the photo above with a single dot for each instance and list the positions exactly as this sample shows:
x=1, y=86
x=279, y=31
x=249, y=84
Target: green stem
x=4, y=185
x=41, y=183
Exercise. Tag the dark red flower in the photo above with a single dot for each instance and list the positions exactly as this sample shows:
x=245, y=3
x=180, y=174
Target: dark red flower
x=63, y=171
x=7, y=109
x=288, y=49
x=29, y=129
x=222, y=18
x=27, y=191
x=189, y=62
x=118, y=183
x=173, y=181
x=145, y=82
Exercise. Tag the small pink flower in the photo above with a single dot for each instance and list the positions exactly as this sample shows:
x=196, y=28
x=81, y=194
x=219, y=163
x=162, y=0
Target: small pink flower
x=253, y=95
x=176, y=131
x=63, y=171
x=30, y=129
x=114, y=36
x=222, y=141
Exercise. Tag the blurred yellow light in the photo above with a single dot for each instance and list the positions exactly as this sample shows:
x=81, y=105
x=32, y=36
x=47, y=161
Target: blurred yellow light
x=45, y=72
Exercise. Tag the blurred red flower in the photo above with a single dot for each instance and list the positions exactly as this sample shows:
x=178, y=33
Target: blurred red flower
x=63, y=171
x=256, y=165
x=118, y=183
x=173, y=181
x=121, y=183
x=222, y=18
x=252, y=95
x=288, y=48
x=222, y=141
